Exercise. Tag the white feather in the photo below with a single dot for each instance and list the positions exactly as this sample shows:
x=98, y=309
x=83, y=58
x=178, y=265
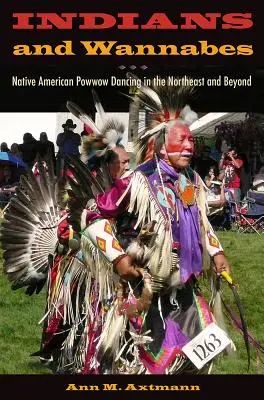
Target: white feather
x=98, y=106
x=188, y=116
x=154, y=130
x=151, y=94
x=135, y=251
x=111, y=137
x=79, y=113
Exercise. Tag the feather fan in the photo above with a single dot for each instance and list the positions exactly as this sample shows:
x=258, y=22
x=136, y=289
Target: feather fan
x=29, y=229
x=82, y=187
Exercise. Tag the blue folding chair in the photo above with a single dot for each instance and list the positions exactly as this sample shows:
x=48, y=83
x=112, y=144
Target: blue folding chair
x=253, y=219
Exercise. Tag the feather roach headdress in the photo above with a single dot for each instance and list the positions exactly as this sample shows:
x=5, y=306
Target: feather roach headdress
x=163, y=106
x=101, y=137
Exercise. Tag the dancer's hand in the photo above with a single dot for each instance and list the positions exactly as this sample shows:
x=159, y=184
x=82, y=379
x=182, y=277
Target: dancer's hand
x=221, y=264
x=126, y=270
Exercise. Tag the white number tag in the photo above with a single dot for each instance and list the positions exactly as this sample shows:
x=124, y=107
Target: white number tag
x=205, y=346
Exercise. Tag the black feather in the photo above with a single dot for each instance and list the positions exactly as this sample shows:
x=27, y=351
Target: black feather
x=244, y=328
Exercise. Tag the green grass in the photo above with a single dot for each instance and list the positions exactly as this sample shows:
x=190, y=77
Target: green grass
x=19, y=330
x=245, y=252
x=19, y=314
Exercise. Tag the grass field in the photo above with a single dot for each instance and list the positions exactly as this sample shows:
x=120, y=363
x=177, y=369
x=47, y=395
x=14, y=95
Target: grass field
x=19, y=314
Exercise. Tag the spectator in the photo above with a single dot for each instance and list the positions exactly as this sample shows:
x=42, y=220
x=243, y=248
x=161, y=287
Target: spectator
x=7, y=176
x=217, y=198
x=7, y=185
x=245, y=175
x=211, y=177
x=46, y=148
x=68, y=143
x=15, y=150
x=231, y=166
x=29, y=149
x=4, y=147
x=202, y=163
x=220, y=209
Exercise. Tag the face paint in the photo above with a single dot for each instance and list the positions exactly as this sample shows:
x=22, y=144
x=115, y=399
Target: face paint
x=179, y=141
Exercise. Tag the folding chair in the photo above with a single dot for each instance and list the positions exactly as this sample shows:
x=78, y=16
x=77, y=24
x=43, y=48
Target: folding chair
x=250, y=216
x=255, y=202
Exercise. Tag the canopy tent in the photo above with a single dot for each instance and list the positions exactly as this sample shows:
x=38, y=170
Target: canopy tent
x=205, y=126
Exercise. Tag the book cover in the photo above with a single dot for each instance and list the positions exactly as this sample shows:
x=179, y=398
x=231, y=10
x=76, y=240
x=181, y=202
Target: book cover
x=57, y=52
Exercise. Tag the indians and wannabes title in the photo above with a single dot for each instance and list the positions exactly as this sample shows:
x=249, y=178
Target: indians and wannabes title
x=157, y=22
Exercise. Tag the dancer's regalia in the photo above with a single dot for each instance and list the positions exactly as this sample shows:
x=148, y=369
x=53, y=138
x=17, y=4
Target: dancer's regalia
x=156, y=217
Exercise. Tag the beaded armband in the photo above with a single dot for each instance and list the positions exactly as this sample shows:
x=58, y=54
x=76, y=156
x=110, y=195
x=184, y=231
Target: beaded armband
x=212, y=244
x=101, y=234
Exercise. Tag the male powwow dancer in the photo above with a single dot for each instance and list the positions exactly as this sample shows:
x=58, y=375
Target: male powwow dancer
x=152, y=231
x=44, y=247
x=107, y=160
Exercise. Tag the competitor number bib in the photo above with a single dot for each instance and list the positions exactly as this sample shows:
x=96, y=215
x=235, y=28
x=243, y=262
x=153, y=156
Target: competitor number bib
x=205, y=346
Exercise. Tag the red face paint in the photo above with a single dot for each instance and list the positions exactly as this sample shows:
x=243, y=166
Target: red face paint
x=179, y=140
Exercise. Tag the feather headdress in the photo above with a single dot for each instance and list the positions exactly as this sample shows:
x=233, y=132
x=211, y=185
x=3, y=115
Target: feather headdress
x=163, y=105
x=102, y=137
